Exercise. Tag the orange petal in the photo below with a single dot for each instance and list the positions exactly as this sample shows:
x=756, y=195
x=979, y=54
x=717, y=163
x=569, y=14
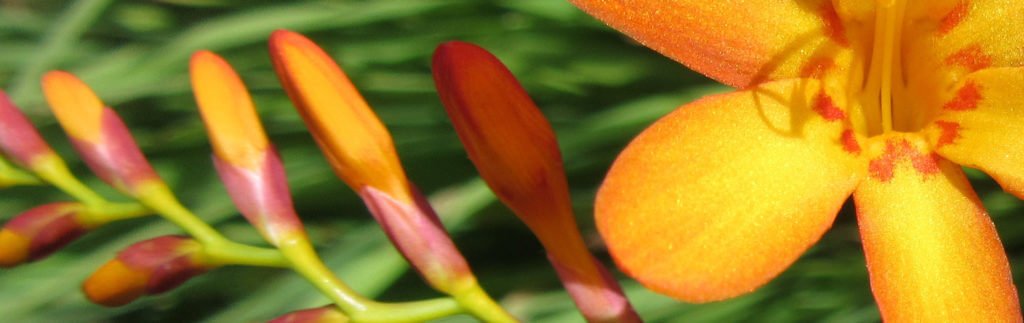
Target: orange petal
x=76, y=107
x=720, y=196
x=230, y=117
x=931, y=249
x=355, y=142
x=739, y=43
x=949, y=39
x=982, y=126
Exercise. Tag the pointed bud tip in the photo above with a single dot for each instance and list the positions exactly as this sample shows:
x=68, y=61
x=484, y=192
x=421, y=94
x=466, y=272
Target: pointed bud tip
x=231, y=120
x=506, y=136
x=356, y=143
x=115, y=284
x=13, y=248
x=75, y=105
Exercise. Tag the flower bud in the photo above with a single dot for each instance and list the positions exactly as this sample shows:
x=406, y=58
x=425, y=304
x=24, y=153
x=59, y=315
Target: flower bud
x=146, y=268
x=19, y=139
x=516, y=153
x=362, y=154
x=248, y=164
x=98, y=134
x=326, y=314
x=39, y=232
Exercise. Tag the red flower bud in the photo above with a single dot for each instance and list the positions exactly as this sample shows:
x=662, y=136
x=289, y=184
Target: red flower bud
x=39, y=232
x=146, y=268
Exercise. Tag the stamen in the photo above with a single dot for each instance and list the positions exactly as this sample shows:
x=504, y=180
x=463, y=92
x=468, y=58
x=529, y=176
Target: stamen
x=878, y=90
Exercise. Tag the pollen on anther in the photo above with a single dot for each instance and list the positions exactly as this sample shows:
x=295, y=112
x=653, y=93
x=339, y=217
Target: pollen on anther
x=950, y=132
x=954, y=17
x=833, y=25
x=824, y=106
x=849, y=141
x=966, y=98
x=972, y=58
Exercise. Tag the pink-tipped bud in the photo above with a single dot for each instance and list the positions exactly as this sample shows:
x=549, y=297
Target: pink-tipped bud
x=19, y=140
x=515, y=151
x=362, y=154
x=326, y=314
x=248, y=164
x=97, y=133
x=146, y=268
x=39, y=232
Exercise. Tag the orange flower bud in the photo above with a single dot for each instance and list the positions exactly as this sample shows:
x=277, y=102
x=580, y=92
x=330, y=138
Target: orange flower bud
x=362, y=154
x=39, y=232
x=97, y=133
x=247, y=163
x=514, y=148
x=146, y=268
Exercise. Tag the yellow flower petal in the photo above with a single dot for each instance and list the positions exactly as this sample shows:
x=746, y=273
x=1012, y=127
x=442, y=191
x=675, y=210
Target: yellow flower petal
x=230, y=117
x=982, y=126
x=720, y=196
x=355, y=142
x=76, y=107
x=739, y=43
x=932, y=251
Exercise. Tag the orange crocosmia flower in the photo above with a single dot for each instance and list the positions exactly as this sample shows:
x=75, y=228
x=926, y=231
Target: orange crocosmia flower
x=881, y=100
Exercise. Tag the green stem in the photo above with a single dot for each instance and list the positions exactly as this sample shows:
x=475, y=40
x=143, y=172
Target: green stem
x=233, y=253
x=305, y=261
x=158, y=196
x=218, y=248
x=476, y=301
x=53, y=170
x=11, y=176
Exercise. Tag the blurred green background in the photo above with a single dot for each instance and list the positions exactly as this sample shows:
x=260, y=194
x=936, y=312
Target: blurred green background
x=597, y=87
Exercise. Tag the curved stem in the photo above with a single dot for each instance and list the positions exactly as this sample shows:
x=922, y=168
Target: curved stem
x=476, y=301
x=305, y=261
x=53, y=170
x=158, y=196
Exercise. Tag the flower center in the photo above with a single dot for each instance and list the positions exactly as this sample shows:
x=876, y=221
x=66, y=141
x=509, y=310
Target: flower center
x=879, y=92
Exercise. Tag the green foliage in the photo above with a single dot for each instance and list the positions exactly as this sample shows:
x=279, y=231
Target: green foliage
x=598, y=88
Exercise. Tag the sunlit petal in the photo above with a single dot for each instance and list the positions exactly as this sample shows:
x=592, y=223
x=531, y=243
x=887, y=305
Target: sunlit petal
x=982, y=126
x=739, y=43
x=932, y=251
x=720, y=196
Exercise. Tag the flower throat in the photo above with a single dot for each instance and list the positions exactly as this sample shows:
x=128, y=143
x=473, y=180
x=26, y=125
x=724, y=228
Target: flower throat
x=884, y=84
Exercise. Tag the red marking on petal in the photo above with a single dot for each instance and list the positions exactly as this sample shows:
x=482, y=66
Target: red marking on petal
x=816, y=67
x=966, y=98
x=824, y=106
x=833, y=25
x=950, y=133
x=954, y=17
x=849, y=141
x=971, y=57
x=883, y=167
